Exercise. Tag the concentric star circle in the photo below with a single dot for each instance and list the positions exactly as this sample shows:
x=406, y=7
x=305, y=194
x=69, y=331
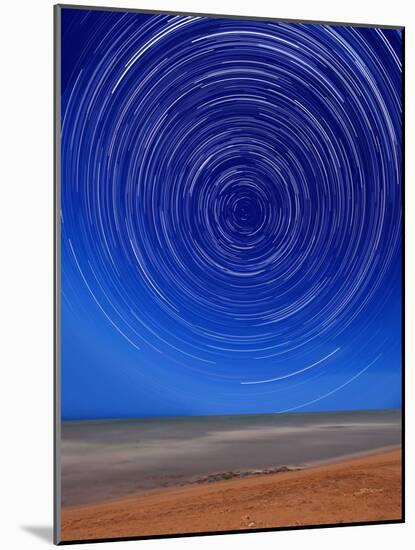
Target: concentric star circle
x=231, y=188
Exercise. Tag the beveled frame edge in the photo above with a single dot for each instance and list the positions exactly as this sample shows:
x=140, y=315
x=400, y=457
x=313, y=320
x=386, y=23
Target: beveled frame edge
x=56, y=275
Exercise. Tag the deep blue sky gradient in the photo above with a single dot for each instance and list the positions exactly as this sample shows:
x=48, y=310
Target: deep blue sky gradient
x=231, y=204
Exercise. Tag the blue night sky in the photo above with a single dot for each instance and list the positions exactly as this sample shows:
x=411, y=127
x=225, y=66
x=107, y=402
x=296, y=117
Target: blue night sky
x=231, y=216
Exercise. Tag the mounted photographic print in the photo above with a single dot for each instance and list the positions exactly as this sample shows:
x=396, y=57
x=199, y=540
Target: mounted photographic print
x=229, y=267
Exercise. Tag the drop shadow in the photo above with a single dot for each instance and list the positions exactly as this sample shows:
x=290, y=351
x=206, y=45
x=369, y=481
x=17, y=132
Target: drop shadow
x=42, y=532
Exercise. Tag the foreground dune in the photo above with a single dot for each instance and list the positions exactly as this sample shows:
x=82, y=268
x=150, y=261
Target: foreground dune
x=355, y=490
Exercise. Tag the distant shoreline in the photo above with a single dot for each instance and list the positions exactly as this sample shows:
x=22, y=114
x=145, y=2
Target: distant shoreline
x=230, y=416
x=359, y=489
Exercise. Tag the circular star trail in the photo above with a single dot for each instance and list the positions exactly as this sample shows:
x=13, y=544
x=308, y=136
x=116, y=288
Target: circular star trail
x=231, y=188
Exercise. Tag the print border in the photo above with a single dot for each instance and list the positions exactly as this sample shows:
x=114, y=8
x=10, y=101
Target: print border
x=57, y=277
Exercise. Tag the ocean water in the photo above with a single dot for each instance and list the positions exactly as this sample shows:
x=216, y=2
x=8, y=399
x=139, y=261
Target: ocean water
x=104, y=459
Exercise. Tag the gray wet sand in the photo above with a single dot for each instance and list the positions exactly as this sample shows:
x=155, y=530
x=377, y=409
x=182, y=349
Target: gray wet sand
x=106, y=459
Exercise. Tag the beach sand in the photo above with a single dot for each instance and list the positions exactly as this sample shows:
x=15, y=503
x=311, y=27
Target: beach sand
x=361, y=489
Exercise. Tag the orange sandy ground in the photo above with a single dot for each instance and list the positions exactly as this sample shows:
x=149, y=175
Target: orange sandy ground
x=355, y=490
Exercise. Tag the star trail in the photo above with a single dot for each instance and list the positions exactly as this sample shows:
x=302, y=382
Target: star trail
x=231, y=215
